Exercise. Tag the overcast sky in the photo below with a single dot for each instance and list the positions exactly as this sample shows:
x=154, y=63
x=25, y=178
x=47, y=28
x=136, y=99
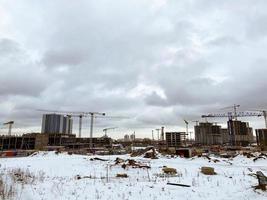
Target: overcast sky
x=155, y=61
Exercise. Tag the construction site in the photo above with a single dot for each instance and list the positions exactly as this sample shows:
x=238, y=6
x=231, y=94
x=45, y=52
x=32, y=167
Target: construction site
x=56, y=133
x=174, y=161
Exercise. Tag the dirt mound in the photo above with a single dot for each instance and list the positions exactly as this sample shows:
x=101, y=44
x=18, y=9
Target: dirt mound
x=148, y=152
x=169, y=170
x=208, y=170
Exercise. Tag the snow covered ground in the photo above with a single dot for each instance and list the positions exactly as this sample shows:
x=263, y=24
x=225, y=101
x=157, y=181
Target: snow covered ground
x=54, y=176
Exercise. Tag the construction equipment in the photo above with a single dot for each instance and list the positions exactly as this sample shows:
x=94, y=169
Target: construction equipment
x=197, y=122
x=234, y=107
x=10, y=124
x=186, y=126
x=264, y=114
x=106, y=129
x=77, y=114
x=92, y=115
x=232, y=115
x=80, y=115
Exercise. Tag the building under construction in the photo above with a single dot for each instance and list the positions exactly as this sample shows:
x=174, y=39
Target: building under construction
x=240, y=134
x=56, y=123
x=175, y=139
x=40, y=141
x=207, y=133
x=261, y=136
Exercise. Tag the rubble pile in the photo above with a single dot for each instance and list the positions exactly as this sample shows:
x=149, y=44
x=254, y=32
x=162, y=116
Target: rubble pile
x=130, y=163
x=148, y=152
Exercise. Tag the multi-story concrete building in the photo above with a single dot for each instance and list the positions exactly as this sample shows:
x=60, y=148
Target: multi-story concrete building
x=55, y=123
x=240, y=134
x=207, y=133
x=42, y=141
x=126, y=138
x=175, y=139
x=132, y=137
x=261, y=136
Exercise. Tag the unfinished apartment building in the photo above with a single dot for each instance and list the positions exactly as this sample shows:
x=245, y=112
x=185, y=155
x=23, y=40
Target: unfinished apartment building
x=261, y=136
x=207, y=133
x=240, y=134
x=41, y=141
x=175, y=139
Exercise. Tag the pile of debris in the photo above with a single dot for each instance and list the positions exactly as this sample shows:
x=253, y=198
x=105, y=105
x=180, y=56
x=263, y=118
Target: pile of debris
x=130, y=163
x=96, y=158
x=209, y=158
x=122, y=176
x=256, y=156
x=148, y=152
x=261, y=156
x=262, y=181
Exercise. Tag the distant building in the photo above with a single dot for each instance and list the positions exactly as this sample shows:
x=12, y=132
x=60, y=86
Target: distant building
x=240, y=134
x=55, y=123
x=132, y=137
x=126, y=138
x=162, y=133
x=43, y=141
x=261, y=136
x=207, y=133
x=175, y=139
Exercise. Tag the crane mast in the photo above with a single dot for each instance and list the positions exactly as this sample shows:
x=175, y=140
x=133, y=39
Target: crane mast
x=10, y=124
x=106, y=129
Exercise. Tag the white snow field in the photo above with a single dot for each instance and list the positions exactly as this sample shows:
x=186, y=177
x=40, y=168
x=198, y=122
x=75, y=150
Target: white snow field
x=54, y=176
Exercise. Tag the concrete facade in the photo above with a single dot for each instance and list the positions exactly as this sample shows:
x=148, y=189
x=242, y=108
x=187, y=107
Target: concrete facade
x=55, y=123
x=240, y=134
x=261, y=136
x=207, y=133
x=175, y=139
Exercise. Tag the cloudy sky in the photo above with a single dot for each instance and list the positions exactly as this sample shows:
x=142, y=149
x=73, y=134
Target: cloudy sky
x=155, y=61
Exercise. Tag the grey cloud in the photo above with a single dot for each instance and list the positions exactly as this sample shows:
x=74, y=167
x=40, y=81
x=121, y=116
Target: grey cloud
x=155, y=100
x=124, y=57
x=8, y=46
x=18, y=74
x=226, y=40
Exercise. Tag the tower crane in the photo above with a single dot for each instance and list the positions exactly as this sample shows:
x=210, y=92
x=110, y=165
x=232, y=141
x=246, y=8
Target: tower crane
x=234, y=107
x=186, y=125
x=196, y=121
x=106, y=129
x=10, y=124
x=234, y=115
x=264, y=114
x=158, y=129
x=231, y=116
x=81, y=115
